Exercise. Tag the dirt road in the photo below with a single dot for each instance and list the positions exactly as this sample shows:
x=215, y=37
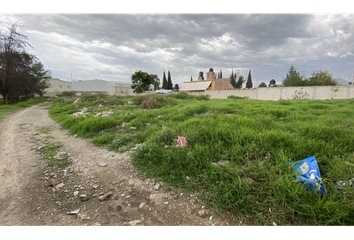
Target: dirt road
x=34, y=194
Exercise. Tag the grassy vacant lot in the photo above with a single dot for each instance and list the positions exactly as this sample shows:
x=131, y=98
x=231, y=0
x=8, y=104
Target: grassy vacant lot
x=17, y=105
x=252, y=140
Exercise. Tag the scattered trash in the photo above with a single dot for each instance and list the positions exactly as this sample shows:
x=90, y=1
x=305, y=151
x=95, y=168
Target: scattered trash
x=182, y=142
x=274, y=224
x=202, y=213
x=101, y=198
x=101, y=105
x=74, y=212
x=310, y=174
x=133, y=128
x=104, y=114
x=76, y=193
x=159, y=116
x=107, y=195
x=341, y=184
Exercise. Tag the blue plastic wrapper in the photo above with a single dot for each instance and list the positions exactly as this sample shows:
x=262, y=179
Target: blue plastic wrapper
x=310, y=174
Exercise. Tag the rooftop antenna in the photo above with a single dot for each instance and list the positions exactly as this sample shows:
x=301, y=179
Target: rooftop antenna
x=353, y=79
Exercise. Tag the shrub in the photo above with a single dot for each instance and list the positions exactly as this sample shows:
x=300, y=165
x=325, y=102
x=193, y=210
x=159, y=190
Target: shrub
x=203, y=97
x=149, y=103
x=236, y=97
x=167, y=137
x=66, y=94
x=181, y=95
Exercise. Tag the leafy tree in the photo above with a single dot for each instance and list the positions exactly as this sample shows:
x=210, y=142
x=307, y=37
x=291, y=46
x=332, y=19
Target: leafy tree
x=140, y=81
x=262, y=84
x=293, y=78
x=177, y=87
x=155, y=80
x=321, y=78
x=232, y=79
x=249, y=83
x=169, y=81
x=164, y=81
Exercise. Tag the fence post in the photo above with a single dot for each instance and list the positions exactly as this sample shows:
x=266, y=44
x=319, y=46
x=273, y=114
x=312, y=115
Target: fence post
x=314, y=92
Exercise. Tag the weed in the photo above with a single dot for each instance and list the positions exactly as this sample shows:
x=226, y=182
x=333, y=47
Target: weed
x=53, y=156
x=43, y=130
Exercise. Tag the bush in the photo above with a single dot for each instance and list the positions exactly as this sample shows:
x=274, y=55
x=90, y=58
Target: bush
x=236, y=97
x=203, y=97
x=149, y=103
x=66, y=94
x=137, y=100
x=181, y=95
x=167, y=137
x=65, y=100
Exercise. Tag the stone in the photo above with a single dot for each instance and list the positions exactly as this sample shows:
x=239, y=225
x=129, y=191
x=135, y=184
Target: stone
x=107, y=195
x=83, y=217
x=133, y=223
x=83, y=197
x=103, y=164
x=76, y=193
x=157, y=186
x=51, y=182
x=202, y=213
x=74, y=212
x=141, y=205
x=102, y=198
x=60, y=185
x=133, y=128
x=165, y=203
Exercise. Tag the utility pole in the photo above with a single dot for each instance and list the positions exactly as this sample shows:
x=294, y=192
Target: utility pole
x=71, y=77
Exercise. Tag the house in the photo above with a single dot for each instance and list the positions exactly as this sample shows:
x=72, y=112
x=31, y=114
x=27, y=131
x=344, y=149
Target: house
x=57, y=86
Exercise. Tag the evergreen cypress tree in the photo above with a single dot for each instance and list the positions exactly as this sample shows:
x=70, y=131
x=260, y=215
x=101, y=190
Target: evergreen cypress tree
x=169, y=81
x=240, y=81
x=164, y=81
x=191, y=79
x=220, y=73
x=249, y=83
x=232, y=79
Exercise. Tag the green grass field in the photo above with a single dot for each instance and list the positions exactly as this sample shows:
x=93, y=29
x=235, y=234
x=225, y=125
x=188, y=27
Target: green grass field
x=256, y=140
x=17, y=105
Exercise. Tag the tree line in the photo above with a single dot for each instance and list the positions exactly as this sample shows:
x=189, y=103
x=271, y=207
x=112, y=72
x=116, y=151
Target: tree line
x=21, y=73
x=295, y=79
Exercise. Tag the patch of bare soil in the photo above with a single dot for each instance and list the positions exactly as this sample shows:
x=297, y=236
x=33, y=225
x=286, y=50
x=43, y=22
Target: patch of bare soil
x=103, y=186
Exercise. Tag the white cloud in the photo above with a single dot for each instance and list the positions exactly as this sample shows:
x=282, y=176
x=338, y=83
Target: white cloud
x=333, y=54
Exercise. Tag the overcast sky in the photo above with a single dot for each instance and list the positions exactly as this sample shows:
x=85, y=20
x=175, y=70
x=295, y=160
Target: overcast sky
x=113, y=46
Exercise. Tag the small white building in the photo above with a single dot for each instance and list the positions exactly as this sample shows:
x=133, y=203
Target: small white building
x=57, y=86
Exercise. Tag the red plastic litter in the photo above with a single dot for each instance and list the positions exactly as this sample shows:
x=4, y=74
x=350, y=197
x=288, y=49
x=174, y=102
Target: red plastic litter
x=182, y=142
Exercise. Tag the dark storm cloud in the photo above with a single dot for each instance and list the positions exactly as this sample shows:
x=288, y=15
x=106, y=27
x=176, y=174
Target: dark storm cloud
x=118, y=44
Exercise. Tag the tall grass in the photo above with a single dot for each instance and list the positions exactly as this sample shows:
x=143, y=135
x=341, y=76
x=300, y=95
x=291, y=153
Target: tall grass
x=255, y=138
